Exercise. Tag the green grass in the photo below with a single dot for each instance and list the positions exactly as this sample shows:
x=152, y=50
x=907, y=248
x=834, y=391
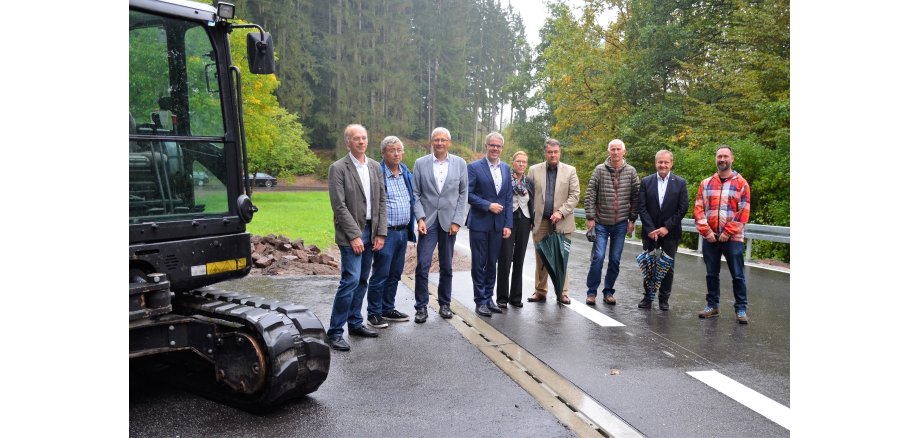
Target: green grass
x=297, y=215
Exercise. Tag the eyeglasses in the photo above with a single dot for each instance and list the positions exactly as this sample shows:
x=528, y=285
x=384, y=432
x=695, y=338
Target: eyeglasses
x=495, y=146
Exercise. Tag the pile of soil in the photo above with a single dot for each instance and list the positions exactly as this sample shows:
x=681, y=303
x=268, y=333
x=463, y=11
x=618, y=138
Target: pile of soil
x=279, y=255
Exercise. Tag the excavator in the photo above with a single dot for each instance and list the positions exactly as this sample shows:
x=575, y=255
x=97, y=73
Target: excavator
x=186, y=237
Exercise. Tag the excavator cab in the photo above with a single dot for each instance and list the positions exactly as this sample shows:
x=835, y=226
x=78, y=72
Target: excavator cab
x=185, y=126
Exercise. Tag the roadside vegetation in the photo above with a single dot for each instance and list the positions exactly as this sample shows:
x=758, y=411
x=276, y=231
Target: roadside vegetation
x=297, y=215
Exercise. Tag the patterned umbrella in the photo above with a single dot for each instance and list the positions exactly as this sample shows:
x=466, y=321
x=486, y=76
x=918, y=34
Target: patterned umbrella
x=646, y=261
x=663, y=264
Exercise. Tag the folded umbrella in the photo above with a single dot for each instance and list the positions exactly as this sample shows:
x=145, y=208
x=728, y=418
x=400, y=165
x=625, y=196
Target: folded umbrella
x=554, y=251
x=663, y=264
x=646, y=261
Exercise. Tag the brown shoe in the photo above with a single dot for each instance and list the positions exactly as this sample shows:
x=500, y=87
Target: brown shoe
x=565, y=300
x=709, y=312
x=591, y=300
x=536, y=298
x=609, y=299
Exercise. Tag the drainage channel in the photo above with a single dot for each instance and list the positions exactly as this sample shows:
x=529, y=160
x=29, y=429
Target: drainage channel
x=570, y=405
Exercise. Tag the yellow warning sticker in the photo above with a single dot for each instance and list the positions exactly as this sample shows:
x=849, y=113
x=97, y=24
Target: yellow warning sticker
x=226, y=266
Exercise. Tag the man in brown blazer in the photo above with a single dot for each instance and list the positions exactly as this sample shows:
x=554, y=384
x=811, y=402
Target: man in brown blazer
x=359, y=212
x=556, y=191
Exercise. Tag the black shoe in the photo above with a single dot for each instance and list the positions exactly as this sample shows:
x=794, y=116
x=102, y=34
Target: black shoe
x=502, y=305
x=663, y=301
x=445, y=311
x=337, y=343
x=493, y=307
x=395, y=315
x=513, y=304
x=646, y=302
x=362, y=331
x=376, y=321
x=421, y=315
x=483, y=310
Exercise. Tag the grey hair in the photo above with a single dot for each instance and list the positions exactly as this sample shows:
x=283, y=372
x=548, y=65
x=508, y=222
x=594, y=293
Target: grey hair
x=662, y=152
x=441, y=130
x=616, y=140
x=497, y=135
x=349, y=128
x=389, y=140
x=551, y=142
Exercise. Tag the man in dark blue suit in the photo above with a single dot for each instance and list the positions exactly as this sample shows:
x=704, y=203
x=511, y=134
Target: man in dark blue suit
x=663, y=203
x=489, y=220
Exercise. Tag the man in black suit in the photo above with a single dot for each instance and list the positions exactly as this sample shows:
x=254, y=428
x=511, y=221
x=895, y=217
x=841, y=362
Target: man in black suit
x=663, y=203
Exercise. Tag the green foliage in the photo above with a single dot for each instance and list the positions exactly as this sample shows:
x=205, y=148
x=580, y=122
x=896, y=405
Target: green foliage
x=298, y=215
x=399, y=67
x=274, y=137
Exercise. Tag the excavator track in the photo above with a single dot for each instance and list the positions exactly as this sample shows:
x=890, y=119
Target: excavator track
x=274, y=351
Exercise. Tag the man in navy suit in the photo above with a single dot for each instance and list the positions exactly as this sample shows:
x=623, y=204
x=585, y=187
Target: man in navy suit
x=663, y=203
x=439, y=187
x=489, y=220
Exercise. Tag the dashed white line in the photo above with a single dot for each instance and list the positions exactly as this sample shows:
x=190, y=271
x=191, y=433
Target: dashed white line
x=667, y=353
x=598, y=317
x=754, y=400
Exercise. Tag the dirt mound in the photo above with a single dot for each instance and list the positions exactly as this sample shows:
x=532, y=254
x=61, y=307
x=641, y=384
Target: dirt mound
x=279, y=255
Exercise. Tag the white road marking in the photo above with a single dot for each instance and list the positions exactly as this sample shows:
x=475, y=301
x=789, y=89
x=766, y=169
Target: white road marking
x=667, y=353
x=754, y=400
x=598, y=317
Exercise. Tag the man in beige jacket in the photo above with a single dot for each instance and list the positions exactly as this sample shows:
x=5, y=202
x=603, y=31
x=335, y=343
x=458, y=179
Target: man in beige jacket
x=556, y=191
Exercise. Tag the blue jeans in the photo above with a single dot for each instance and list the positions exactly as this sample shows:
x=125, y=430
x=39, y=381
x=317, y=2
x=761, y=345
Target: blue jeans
x=352, y=286
x=617, y=235
x=387, y=270
x=426, y=243
x=734, y=257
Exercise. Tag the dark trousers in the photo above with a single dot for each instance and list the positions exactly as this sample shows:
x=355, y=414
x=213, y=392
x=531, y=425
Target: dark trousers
x=734, y=258
x=513, y=251
x=484, y=246
x=425, y=246
x=669, y=246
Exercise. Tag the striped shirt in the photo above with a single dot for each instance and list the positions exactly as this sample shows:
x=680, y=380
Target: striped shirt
x=397, y=199
x=723, y=207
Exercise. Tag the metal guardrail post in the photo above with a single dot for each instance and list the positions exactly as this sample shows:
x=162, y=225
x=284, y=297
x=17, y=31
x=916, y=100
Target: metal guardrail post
x=752, y=232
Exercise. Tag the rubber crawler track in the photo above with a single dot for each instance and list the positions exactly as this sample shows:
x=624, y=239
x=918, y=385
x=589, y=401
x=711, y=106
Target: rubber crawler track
x=290, y=334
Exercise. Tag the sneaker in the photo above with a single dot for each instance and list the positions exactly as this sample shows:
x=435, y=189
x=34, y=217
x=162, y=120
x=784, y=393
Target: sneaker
x=741, y=316
x=376, y=321
x=395, y=315
x=709, y=312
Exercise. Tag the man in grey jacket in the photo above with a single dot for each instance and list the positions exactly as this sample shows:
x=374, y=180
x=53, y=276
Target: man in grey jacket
x=611, y=208
x=359, y=212
x=440, y=188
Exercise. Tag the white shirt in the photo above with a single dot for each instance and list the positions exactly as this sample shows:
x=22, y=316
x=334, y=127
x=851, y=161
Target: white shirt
x=439, y=169
x=662, y=186
x=365, y=181
x=496, y=174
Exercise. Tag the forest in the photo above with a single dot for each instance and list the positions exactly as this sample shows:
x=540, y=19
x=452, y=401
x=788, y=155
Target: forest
x=682, y=75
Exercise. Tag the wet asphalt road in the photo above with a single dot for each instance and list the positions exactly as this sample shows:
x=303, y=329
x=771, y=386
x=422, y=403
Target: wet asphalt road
x=428, y=380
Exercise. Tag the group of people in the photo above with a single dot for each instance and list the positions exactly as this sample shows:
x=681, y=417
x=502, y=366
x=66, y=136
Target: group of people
x=377, y=212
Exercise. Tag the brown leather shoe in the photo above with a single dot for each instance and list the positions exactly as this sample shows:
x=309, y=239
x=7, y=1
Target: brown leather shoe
x=536, y=298
x=591, y=300
x=609, y=299
x=565, y=300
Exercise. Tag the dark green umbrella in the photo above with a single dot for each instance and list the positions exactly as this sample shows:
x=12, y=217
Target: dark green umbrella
x=554, y=251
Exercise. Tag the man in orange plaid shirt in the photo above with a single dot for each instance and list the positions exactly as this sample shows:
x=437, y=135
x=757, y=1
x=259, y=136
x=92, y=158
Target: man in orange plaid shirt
x=723, y=204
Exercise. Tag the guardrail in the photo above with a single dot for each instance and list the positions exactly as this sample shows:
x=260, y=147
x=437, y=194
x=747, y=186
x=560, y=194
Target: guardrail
x=752, y=232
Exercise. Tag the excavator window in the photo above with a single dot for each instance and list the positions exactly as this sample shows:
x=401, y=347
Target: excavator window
x=176, y=137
